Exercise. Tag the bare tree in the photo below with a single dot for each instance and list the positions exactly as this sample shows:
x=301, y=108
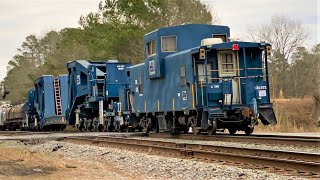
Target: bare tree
x=316, y=75
x=283, y=33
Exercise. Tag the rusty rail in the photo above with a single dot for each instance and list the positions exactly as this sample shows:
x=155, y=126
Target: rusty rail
x=21, y=133
x=260, y=139
x=279, y=161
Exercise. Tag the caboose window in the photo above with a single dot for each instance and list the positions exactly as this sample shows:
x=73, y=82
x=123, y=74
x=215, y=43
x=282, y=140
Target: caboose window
x=151, y=48
x=169, y=43
x=223, y=37
x=202, y=73
x=227, y=63
x=183, y=75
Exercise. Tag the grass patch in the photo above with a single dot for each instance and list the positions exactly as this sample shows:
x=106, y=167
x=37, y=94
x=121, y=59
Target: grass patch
x=293, y=115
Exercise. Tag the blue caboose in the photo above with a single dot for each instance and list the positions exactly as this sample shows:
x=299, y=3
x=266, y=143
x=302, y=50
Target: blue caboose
x=193, y=76
x=94, y=94
x=51, y=97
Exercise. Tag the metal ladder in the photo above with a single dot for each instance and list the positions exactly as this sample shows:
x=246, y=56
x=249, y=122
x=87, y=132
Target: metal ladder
x=57, y=95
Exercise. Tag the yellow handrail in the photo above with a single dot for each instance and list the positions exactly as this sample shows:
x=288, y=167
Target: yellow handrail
x=236, y=69
x=237, y=77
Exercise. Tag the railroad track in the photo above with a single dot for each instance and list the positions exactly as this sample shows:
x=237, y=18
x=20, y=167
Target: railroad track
x=293, y=163
x=256, y=139
x=21, y=133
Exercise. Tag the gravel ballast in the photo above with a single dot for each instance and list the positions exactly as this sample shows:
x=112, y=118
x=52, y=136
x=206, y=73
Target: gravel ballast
x=144, y=166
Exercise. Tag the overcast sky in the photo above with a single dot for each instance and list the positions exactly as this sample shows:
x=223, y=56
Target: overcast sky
x=19, y=18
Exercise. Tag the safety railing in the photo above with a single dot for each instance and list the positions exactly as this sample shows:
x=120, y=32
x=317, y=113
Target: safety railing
x=237, y=69
x=202, y=82
x=232, y=76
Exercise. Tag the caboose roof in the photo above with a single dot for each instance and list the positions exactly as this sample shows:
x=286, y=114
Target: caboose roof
x=188, y=26
x=226, y=45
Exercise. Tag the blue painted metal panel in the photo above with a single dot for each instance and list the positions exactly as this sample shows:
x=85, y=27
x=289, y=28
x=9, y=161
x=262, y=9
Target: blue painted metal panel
x=164, y=86
x=29, y=107
x=80, y=77
x=167, y=91
x=45, y=99
x=31, y=96
x=249, y=86
x=116, y=78
x=188, y=36
x=83, y=80
x=91, y=82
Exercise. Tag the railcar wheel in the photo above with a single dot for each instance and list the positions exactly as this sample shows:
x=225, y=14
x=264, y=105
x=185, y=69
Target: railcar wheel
x=116, y=128
x=130, y=129
x=90, y=128
x=100, y=127
x=81, y=127
x=212, y=129
x=232, y=131
x=186, y=130
x=109, y=127
x=249, y=130
x=124, y=128
x=196, y=130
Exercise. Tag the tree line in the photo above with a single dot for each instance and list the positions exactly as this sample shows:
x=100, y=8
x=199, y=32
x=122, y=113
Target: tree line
x=116, y=31
x=294, y=70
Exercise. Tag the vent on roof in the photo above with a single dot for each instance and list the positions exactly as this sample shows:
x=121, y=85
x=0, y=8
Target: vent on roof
x=112, y=61
x=210, y=41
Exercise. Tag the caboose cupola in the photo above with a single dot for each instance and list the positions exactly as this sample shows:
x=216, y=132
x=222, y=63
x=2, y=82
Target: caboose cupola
x=166, y=41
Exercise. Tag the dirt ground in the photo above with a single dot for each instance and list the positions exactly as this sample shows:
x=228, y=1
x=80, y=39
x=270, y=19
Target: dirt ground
x=16, y=163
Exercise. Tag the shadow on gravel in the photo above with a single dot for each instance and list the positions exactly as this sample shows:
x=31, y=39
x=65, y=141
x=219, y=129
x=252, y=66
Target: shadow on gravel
x=14, y=168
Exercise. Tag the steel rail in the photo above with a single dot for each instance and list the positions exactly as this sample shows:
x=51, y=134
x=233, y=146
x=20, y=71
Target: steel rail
x=262, y=139
x=292, y=155
x=280, y=161
x=276, y=135
x=22, y=133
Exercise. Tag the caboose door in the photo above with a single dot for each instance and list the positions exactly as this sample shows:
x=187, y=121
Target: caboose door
x=228, y=66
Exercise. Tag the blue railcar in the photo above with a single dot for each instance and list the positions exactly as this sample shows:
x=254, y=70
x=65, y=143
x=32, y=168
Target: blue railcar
x=30, y=111
x=193, y=76
x=94, y=94
x=51, y=98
